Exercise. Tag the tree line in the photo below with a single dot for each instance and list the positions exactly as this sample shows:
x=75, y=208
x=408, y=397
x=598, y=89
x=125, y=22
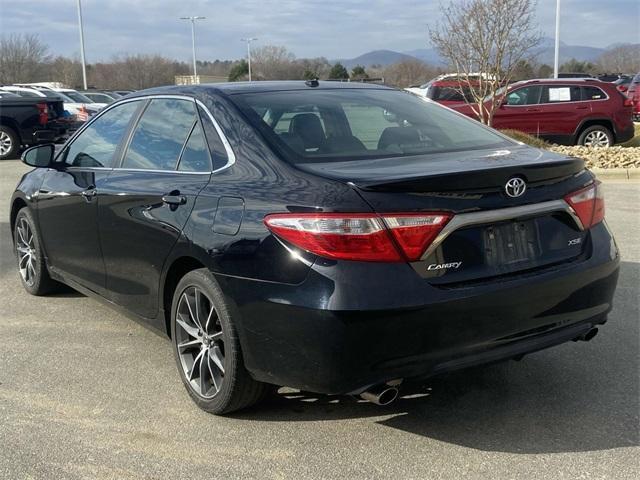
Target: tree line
x=25, y=58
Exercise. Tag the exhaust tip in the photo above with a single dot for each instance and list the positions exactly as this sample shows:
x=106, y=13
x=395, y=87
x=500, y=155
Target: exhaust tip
x=381, y=396
x=590, y=334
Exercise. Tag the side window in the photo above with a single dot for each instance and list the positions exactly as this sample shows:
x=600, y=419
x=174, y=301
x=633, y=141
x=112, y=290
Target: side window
x=160, y=134
x=216, y=147
x=592, y=93
x=561, y=93
x=97, y=144
x=524, y=96
x=195, y=156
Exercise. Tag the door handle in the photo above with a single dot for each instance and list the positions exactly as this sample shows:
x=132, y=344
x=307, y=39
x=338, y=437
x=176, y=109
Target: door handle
x=89, y=193
x=582, y=108
x=533, y=109
x=174, y=199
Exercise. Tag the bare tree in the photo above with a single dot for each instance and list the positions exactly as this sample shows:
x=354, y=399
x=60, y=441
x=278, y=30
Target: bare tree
x=483, y=41
x=137, y=71
x=273, y=62
x=620, y=59
x=409, y=72
x=21, y=58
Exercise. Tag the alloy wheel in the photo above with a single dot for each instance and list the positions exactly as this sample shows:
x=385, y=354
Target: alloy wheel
x=26, y=249
x=597, y=138
x=200, y=342
x=5, y=143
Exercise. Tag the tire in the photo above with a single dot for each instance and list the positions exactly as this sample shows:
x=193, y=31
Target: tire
x=202, y=347
x=596, y=136
x=32, y=265
x=9, y=143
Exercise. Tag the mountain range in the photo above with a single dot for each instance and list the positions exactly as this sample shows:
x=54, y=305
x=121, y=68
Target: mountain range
x=544, y=54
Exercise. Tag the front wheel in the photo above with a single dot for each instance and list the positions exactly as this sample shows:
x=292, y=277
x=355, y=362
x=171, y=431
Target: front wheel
x=596, y=136
x=9, y=143
x=207, y=349
x=31, y=262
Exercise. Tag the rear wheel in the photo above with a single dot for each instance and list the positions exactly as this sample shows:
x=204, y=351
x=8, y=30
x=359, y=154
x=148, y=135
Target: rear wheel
x=207, y=349
x=596, y=136
x=31, y=263
x=9, y=143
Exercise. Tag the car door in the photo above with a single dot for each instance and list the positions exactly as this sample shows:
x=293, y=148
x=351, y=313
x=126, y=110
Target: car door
x=68, y=198
x=520, y=110
x=562, y=110
x=149, y=197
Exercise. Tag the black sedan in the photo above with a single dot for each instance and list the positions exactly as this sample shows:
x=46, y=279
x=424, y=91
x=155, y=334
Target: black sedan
x=336, y=238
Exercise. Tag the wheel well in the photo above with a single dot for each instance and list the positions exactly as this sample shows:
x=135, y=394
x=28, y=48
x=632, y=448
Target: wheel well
x=178, y=269
x=18, y=204
x=10, y=123
x=591, y=123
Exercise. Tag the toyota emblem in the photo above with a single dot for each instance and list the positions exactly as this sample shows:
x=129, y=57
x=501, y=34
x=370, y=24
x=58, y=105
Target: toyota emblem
x=515, y=187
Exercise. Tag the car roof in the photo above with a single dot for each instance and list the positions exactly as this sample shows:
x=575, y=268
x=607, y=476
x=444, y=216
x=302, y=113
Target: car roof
x=232, y=88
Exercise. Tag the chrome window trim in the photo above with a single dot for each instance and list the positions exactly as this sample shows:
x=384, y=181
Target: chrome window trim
x=231, y=157
x=488, y=216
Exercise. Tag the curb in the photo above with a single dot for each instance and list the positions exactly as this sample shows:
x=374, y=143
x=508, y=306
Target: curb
x=617, y=173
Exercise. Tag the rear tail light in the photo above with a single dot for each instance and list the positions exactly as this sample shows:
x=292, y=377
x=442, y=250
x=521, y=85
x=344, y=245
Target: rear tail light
x=43, y=113
x=588, y=204
x=362, y=237
x=627, y=102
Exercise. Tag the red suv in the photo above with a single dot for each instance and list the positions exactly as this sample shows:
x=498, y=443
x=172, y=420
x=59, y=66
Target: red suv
x=449, y=92
x=565, y=111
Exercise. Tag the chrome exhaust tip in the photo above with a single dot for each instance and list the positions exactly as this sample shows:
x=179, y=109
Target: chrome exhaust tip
x=381, y=394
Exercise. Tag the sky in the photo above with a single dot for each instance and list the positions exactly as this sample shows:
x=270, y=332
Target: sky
x=308, y=28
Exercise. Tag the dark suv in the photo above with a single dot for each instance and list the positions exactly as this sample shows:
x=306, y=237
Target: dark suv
x=569, y=112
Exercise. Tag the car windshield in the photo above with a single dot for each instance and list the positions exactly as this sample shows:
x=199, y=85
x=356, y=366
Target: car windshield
x=77, y=97
x=50, y=93
x=354, y=124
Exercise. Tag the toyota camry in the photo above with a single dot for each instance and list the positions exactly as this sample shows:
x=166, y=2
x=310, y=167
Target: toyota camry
x=337, y=238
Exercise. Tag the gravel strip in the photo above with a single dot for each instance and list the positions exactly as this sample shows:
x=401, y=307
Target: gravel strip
x=610, y=157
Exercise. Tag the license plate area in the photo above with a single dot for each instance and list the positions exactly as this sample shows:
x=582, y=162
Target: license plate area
x=511, y=244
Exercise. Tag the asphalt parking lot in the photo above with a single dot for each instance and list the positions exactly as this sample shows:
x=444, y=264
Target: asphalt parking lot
x=87, y=393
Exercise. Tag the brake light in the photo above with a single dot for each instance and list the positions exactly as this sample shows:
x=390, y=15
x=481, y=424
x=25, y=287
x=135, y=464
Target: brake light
x=43, y=113
x=627, y=102
x=588, y=204
x=361, y=237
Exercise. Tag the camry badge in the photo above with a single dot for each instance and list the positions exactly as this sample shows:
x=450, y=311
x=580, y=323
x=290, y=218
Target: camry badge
x=515, y=187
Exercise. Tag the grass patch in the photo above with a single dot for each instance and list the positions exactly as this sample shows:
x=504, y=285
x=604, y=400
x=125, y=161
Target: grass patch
x=525, y=138
x=635, y=141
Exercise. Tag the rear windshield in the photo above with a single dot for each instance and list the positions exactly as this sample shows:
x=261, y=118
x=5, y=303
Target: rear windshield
x=450, y=94
x=355, y=124
x=77, y=97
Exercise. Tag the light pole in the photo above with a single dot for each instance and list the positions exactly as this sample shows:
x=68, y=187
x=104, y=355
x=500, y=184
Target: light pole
x=84, y=63
x=556, y=57
x=193, y=41
x=248, y=42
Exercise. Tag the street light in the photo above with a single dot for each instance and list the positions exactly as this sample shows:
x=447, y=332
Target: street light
x=556, y=57
x=84, y=63
x=248, y=42
x=193, y=40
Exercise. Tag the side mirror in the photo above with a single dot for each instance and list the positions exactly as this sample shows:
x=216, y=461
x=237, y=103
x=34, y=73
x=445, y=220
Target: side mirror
x=40, y=156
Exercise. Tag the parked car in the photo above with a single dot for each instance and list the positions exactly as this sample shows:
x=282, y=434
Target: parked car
x=450, y=92
x=80, y=110
x=28, y=121
x=622, y=84
x=293, y=233
x=100, y=96
x=633, y=93
x=611, y=77
x=565, y=111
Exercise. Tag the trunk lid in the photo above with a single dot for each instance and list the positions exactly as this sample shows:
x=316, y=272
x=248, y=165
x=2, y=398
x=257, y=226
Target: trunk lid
x=500, y=235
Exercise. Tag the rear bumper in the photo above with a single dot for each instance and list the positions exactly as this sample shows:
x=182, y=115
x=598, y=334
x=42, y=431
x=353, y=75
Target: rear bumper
x=341, y=331
x=626, y=134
